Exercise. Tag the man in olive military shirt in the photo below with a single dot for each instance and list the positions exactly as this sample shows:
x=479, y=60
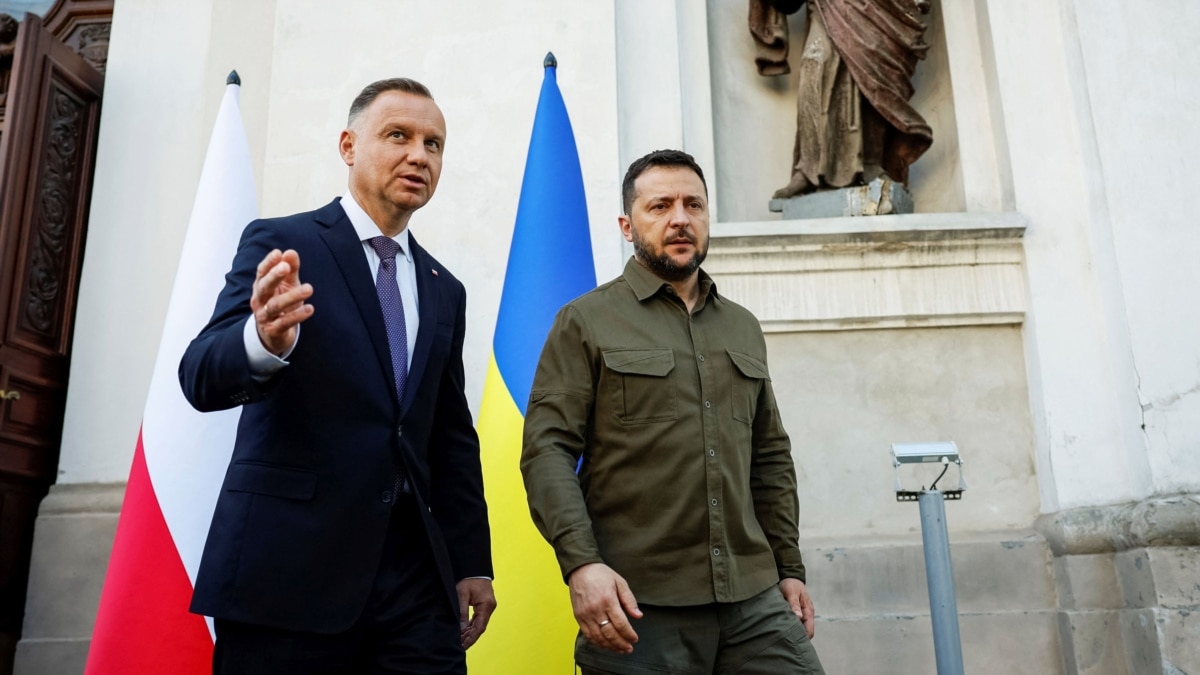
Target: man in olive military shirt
x=678, y=533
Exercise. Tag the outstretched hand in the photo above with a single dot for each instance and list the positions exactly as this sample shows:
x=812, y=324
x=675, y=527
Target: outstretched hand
x=278, y=300
x=603, y=604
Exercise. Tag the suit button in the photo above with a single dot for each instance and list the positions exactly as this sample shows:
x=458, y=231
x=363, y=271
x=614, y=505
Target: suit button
x=386, y=496
x=399, y=432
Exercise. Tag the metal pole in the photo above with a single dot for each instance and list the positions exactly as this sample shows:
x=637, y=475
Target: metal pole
x=943, y=608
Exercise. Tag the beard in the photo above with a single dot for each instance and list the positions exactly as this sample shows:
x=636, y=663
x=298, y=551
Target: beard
x=663, y=266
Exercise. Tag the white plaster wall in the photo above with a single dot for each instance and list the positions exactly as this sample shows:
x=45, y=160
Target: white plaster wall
x=664, y=92
x=301, y=64
x=982, y=144
x=1141, y=64
x=1082, y=382
x=148, y=160
x=936, y=179
x=484, y=67
x=846, y=396
x=754, y=118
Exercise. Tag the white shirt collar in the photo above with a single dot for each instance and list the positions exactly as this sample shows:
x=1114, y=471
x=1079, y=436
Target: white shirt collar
x=367, y=229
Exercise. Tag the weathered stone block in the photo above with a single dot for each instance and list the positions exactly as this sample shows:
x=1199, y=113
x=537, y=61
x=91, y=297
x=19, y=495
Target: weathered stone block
x=1024, y=642
x=1179, y=640
x=51, y=657
x=877, y=198
x=873, y=604
x=1139, y=631
x=1009, y=572
x=1176, y=574
x=1087, y=582
x=1137, y=578
x=72, y=542
x=1093, y=642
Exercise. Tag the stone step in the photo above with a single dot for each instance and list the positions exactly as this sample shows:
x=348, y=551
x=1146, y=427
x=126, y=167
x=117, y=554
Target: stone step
x=872, y=604
x=993, y=572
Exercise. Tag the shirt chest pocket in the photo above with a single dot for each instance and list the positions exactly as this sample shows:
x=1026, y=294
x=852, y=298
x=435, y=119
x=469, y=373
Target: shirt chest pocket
x=749, y=375
x=640, y=388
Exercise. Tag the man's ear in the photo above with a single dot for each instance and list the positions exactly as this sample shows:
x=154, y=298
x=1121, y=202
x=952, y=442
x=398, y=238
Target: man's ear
x=626, y=226
x=346, y=146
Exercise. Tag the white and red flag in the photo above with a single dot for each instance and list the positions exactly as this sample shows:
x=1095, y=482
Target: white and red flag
x=143, y=625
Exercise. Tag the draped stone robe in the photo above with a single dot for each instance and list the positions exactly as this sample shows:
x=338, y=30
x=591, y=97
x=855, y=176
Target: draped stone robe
x=853, y=120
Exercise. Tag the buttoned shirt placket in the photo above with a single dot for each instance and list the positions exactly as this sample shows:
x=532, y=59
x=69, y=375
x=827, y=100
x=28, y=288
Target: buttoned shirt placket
x=719, y=558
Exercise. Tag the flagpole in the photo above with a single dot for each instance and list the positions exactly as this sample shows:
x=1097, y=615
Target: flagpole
x=549, y=263
x=143, y=624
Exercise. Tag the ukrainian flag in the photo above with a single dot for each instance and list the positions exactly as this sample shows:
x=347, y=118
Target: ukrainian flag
x=549, y=264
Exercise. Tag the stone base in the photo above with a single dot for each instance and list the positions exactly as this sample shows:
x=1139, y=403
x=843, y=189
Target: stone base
x=1130, y=612
x=72, y=542
x=1127, y=586
x=872, y=605
x=1099, y=591
x=880, y=197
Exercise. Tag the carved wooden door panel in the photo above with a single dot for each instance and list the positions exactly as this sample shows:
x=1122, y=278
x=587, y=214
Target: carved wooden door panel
x=47, y=154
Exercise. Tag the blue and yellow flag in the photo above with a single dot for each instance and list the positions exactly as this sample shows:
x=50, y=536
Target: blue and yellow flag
x=549, y=264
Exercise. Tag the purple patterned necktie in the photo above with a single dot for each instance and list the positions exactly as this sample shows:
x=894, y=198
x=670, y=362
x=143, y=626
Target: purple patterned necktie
x=393, y=308
x=393, y=318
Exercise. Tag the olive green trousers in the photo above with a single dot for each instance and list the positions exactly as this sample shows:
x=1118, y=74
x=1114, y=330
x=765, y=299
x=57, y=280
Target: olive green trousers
x=758, y=636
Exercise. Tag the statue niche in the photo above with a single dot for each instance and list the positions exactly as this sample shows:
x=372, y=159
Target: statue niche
x=853, y=121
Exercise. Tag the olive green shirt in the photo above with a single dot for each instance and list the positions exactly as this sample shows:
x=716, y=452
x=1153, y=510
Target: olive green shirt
x=687, y=487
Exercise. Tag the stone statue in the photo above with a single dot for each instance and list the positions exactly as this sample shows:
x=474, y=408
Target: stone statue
x=853, y=121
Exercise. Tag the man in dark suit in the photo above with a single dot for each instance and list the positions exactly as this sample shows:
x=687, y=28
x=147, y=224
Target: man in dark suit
x=351, y=533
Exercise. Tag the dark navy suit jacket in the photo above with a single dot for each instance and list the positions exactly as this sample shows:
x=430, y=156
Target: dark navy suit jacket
x=300, y=523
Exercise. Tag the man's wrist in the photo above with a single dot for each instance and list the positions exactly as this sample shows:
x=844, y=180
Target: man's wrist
x=263, y=364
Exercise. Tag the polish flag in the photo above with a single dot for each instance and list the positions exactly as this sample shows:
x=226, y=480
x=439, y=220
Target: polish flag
x=143, y=624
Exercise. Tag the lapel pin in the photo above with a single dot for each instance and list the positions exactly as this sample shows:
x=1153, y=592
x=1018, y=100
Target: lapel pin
x=434, y=272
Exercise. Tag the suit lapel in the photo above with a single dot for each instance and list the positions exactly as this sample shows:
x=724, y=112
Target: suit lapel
x=429, y=300
x=347, y=250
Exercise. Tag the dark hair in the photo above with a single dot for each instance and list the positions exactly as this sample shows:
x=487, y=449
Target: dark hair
x=669, y=158
x=373, y=90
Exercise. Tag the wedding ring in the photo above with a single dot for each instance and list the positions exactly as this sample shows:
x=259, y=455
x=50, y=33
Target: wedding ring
x=604, y=623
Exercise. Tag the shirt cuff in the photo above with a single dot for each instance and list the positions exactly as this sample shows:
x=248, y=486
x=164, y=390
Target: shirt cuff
x=792, y=568
x=576, y=549
x=263, y=364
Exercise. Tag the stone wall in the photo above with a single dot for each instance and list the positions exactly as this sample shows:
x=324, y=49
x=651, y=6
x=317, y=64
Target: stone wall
x=1127, y=585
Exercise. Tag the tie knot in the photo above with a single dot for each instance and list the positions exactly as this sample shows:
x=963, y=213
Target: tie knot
x=385, y=247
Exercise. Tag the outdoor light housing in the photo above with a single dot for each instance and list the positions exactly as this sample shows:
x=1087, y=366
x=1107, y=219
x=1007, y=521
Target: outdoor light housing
x=938, y=452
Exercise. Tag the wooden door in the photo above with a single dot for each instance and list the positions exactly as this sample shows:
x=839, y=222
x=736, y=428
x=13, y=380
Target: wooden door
x=47, y=154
